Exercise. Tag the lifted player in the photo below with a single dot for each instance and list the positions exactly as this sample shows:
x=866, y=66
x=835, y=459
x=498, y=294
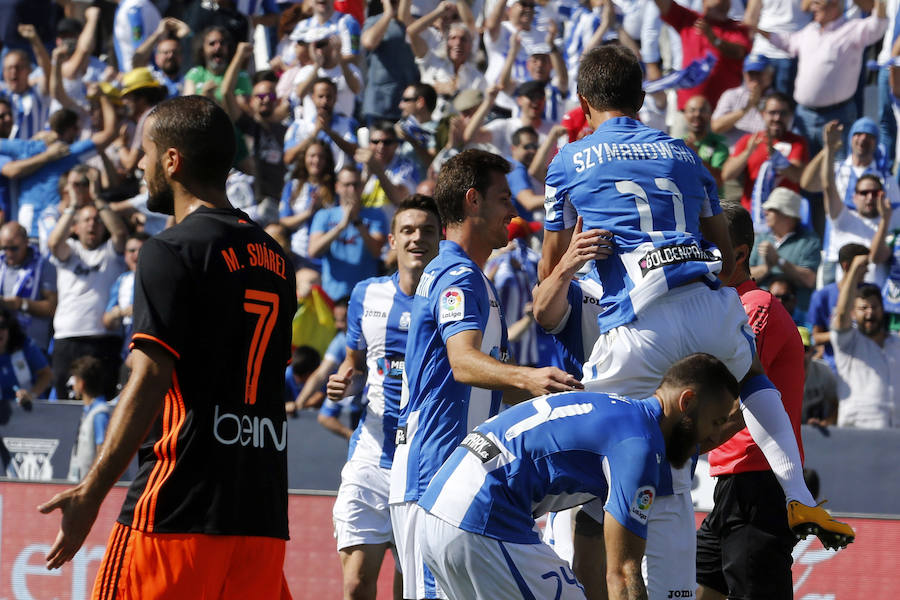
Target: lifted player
x=214, y=298
x=671, y=241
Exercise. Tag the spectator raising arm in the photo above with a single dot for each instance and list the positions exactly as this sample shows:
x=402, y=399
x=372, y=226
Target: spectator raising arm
x=77, y=63
x=167, y=27
x=833, y=202
x=107, y=134
x=538, y=166
x=29, y=33
x=842, y=319
x=57, y=89
x=414, y=31
x=118, y=231
x=243, y=52
x=880, y=252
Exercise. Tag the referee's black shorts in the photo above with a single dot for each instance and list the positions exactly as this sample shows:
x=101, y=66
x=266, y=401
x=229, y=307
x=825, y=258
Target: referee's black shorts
x=744, y=545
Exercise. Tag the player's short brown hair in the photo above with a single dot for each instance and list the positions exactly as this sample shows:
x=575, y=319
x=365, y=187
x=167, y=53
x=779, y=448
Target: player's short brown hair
x=468, y=169
x=610, y=78
x=416, y=202
x=200, y=131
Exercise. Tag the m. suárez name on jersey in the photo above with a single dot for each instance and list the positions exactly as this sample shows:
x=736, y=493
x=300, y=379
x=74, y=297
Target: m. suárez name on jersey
x=604, y=152
x=257, y=255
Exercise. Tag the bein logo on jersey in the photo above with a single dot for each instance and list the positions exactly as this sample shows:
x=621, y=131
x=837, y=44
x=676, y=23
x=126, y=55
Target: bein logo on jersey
x=479, y=445
x=673, y=255
x=643, y=500
x=230, y=429
x=453, y=305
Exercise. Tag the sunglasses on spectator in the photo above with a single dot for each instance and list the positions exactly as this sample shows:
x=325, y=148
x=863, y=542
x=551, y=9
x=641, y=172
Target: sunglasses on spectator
x=321, y=43
x=10, y=248
x=867, y=192
x=81, y=183
x=410, y=99
x=527, y=4
x=385, y=141
x=531, y=146
x=269, y=96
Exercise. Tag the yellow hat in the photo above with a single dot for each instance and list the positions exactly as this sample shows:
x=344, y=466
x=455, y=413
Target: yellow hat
x=139, y=78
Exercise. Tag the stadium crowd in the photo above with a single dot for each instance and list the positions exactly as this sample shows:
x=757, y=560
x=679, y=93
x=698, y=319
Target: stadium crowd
x=345, y=114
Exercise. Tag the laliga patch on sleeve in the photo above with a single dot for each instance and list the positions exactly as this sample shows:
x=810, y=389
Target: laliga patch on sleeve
x=452, y=305
x=640, y=506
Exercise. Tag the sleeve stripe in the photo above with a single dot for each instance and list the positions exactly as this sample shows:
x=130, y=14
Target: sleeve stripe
x=144, y=336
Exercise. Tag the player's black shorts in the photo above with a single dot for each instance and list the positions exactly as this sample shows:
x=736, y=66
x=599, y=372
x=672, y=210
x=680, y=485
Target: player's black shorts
x=744, y=545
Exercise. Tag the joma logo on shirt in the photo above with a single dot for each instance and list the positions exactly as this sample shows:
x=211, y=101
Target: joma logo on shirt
x=230, y=429
x=377, y=314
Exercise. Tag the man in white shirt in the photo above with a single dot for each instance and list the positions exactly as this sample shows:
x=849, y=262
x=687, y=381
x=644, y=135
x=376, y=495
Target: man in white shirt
x=866, y=356
x=86, y=268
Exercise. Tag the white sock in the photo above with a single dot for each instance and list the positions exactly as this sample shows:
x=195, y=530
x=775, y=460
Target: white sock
x=771, y=429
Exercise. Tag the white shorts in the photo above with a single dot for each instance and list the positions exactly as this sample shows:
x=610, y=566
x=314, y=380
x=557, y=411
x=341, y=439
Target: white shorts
x=418, y=580
x=559, y=533
x=361, y=514
x=670, y=558
x=470, y=566
x=632, y=359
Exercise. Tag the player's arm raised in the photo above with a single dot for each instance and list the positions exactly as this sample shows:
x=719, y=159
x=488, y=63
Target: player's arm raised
x=551, y=296
x=138, y=407
x=624, y=551
x=473, y=367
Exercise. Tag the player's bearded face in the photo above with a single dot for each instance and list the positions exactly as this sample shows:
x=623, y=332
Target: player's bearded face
x=160, y=198
x=683, y=441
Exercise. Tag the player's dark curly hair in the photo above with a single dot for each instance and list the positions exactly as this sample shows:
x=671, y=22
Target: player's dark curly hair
x=610, y=78
x=704, y=373
x=468, y=169
x=201, y=132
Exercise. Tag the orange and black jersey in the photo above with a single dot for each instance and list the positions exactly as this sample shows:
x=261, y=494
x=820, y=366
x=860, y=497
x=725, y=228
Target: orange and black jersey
x=218, y=294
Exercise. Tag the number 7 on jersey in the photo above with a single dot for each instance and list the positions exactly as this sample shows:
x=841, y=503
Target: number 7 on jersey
x=265, y=306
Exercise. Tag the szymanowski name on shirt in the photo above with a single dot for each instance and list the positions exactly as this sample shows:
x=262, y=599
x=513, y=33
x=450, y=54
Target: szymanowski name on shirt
x=599, y=153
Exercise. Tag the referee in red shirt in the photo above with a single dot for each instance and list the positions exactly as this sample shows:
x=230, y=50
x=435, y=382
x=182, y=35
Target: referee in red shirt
x=744, y=545
x=206, y=515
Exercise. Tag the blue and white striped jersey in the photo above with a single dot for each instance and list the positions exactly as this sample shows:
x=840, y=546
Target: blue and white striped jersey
x=551, y=453
x=30, y=111
x=133, y=23
x=515, y=276
x=650, y=191
x=578, y=330
x=378, y=319
x=436, y=412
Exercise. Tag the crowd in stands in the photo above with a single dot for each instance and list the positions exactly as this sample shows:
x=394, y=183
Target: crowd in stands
x=343, y=108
